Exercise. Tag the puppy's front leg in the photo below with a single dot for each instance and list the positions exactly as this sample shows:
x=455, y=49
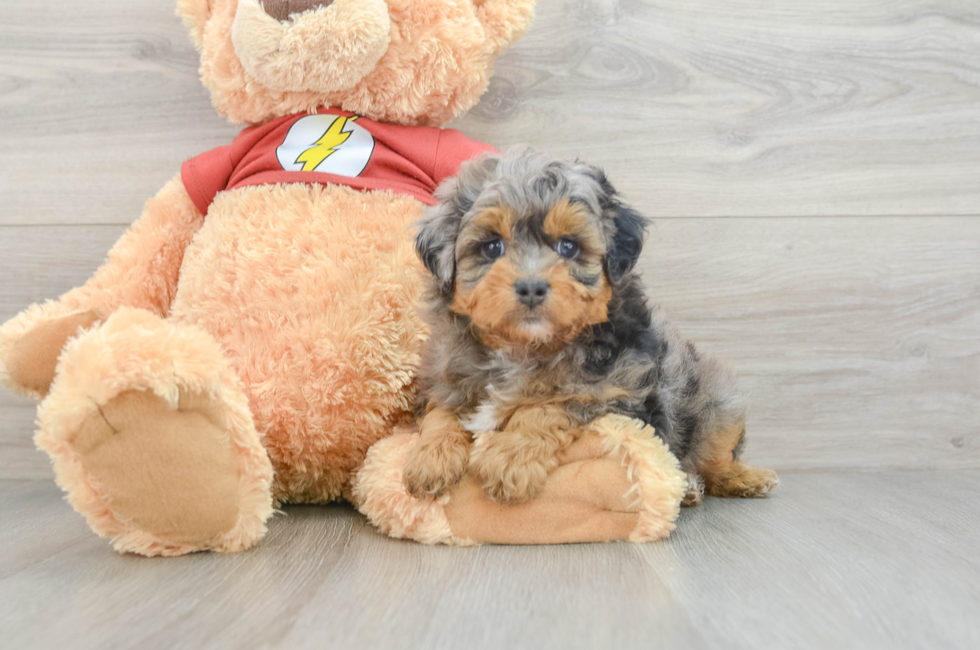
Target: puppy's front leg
x=513, y=464
x=439, y=458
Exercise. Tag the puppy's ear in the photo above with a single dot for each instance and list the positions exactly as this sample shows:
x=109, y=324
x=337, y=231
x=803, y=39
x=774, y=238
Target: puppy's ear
x=435, y=244
x=625, y=241
x=436, y=239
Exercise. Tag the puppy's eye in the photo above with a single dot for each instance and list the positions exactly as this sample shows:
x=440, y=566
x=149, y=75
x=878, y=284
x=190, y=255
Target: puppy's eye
x=493, y=249
x=566, y=248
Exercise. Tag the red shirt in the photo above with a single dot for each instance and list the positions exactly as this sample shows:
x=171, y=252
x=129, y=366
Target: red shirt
x=331, y=146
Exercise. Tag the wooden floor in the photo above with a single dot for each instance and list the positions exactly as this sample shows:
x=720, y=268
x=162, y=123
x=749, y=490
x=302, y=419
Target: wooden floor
x=875, y=560
x=813, y=170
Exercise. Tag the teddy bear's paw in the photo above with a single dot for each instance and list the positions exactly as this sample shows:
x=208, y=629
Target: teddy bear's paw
x=435, y=466
x=29, y=358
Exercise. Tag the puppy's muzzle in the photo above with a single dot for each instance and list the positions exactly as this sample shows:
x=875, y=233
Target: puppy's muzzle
x=531, y=291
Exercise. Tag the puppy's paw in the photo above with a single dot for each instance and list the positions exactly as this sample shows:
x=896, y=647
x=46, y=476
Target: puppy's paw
x=744, y=481
x=757, y=482
x=694, y=494
x=432, y=469
x=505, y=480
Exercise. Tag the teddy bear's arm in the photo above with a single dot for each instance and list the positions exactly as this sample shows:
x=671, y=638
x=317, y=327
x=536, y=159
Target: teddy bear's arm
x=141, y=271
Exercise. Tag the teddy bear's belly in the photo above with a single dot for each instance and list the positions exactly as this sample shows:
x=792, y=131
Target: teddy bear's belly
x=313, y=293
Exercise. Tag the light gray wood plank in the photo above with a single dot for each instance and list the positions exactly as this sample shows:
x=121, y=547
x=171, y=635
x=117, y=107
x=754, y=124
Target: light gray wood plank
x=835, y=561
x=878, y=560
x=856, y=338
x=99, y=105
x=37, y=524
x=38, y=264
x=753, y=107
x=19, y=458
x=830, y=107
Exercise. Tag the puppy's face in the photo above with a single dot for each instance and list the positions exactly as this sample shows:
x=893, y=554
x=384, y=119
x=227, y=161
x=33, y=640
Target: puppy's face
x=531, y=279
x=529, y=248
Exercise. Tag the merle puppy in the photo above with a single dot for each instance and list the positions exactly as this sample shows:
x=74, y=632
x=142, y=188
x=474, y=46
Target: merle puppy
x=539, y=326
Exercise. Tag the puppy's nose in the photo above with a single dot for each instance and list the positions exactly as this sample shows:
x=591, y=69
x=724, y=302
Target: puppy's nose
x=531, y=291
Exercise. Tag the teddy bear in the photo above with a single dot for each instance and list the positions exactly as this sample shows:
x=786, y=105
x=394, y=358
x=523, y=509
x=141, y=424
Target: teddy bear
x=253, y=338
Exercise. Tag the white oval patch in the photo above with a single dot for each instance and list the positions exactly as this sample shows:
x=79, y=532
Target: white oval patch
x=330, y=144
x=483, y=420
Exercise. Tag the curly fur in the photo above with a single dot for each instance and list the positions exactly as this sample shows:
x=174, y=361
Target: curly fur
x=313, y=292
x=626, y=358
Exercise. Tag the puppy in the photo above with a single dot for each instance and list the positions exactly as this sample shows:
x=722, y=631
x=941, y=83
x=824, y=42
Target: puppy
x=539, y=326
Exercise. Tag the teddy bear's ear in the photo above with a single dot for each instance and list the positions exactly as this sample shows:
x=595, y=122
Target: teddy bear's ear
x=195, y=14
x=436, y=240
x=504, y=21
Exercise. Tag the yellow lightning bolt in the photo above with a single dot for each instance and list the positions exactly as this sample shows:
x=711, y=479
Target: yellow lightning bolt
x=326, y=145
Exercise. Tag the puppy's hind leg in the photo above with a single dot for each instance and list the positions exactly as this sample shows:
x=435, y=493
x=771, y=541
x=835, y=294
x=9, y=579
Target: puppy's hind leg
x=694, y=494
x=724, y=475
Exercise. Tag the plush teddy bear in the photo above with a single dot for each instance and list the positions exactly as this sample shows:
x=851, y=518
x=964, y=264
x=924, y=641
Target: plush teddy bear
x=255, y=332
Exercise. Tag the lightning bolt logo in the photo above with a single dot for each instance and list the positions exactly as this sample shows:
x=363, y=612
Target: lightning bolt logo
x=328, y=143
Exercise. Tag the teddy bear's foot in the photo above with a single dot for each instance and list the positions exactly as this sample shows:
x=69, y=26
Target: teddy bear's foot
x=152, y=438
x=167, y=471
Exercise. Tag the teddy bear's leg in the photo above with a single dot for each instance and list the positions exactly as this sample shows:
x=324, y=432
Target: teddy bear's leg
x=152, y=438
x=617, y=481
x=141, y=271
